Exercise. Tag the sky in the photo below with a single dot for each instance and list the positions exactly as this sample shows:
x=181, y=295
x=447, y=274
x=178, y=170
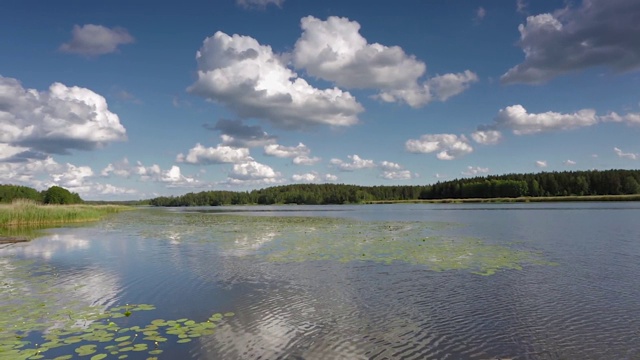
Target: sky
x=126, y=100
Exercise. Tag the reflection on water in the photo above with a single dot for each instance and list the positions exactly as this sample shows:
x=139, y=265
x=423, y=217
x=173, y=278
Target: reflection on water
x=190, y=265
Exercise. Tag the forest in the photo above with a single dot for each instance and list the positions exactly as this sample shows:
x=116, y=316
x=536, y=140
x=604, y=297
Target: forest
x=545, y=184
x=53, y=195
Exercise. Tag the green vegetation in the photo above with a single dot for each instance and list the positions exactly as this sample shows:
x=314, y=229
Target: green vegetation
x=299, y=239
x=53, y=195
x=29, y=213
x=37, y=316
x=542, y=186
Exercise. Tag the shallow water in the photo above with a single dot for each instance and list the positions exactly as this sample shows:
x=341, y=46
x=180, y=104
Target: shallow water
x=359, y=282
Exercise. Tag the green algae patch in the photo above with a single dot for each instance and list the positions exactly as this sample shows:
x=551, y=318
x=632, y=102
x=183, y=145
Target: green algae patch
x=38, y=318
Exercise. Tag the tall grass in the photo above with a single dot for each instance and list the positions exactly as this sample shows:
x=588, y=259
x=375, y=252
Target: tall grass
x=30, y=213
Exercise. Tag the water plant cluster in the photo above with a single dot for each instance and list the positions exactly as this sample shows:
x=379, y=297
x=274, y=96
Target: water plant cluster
x=23, y=213
x=297, y=239
x=37, y=321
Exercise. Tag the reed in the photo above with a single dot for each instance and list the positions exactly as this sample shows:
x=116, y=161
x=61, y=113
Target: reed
x=30, y=213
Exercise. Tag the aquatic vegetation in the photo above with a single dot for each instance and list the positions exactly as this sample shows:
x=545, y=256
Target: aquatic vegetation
x=297, y=239
x=30, y=213
x=36, y=320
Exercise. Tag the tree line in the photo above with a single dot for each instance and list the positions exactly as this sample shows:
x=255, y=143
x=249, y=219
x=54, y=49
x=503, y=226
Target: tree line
x=53, y=195
x=567, y=183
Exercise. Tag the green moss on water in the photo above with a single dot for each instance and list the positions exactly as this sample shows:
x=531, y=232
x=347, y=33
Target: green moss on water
x=36, y=318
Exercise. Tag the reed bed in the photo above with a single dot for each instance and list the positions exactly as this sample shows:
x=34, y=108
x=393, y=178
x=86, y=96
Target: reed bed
x=30, y=213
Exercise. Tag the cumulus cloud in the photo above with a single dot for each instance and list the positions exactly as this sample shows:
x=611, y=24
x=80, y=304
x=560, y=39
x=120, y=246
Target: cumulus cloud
x=595, y=33
x=475, y=170
x=306, y=160
x=253, y=172
x=390, y=166
x=629, y=118
x=541, y=163
x=334, y=50
x=94, y=40
x=355, y=163
x=397, y=175
x=313, y=177
x=569, y=162
x=286, y=151
x=120, y=168
x=521, y=122
x=622, y=154
x=173, y=177
x=487, y=137
x=235, y=133
x=448, y=146
x=299, y=153
x=57, y=120
x=220, y=154
x=259, y=4
x=249, y=78
x=394, y=171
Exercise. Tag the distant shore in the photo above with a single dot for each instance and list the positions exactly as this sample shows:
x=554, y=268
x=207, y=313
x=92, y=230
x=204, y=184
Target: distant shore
x=523, y=199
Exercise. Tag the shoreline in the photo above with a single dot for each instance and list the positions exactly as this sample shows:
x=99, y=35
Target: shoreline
x=524, y=199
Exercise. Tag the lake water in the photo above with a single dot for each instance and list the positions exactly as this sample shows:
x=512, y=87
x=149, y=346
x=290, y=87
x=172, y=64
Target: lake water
x=406, y=281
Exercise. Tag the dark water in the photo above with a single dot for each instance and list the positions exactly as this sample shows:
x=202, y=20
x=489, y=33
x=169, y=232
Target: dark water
x=587, y=306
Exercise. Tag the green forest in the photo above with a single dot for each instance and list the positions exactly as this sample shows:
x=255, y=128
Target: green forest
x=546, y=184
x=53, y=195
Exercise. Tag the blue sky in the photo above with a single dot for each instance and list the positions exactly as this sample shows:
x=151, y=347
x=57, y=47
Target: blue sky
x=131, y=100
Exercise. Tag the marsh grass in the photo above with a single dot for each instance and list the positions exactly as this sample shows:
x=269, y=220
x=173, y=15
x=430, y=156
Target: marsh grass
x=27, y=213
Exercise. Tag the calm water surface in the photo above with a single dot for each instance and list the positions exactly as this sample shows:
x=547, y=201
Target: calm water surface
x=587, y=306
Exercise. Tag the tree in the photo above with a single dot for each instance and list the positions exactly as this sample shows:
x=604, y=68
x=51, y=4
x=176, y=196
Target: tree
x=59, y=195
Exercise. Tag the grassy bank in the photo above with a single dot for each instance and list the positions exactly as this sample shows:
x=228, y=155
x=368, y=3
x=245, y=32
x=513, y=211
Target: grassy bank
x=23, y=213
x=635, y=197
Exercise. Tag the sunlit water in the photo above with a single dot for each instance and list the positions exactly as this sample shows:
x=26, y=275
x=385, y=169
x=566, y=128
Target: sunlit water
x=586, y=306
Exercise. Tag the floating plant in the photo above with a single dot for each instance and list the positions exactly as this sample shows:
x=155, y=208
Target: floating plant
x=34, y=319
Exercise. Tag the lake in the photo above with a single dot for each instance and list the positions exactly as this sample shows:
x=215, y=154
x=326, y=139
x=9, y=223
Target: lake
x=403, y=281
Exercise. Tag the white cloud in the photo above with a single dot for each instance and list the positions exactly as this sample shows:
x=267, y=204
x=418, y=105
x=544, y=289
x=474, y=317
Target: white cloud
x=121, y=169
x=299, y=153
x=595, y=33
x=56, y=120
x=487, y=137
x=313, y=177
x=517, y=119
x=249, y=78
x=622, y=154
x=334, y=50
x=305, y=160
x=254, y=173
x=569, y=162
x=219, y=155
x=174, y=177
x=355, y=163
x=629, y=118
x=94, y=40
x=475, y=170
x=286, y=151
x=448, y=146
x=397, y=175
x=390, y=166
x=260, y=4
x=541, y=163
